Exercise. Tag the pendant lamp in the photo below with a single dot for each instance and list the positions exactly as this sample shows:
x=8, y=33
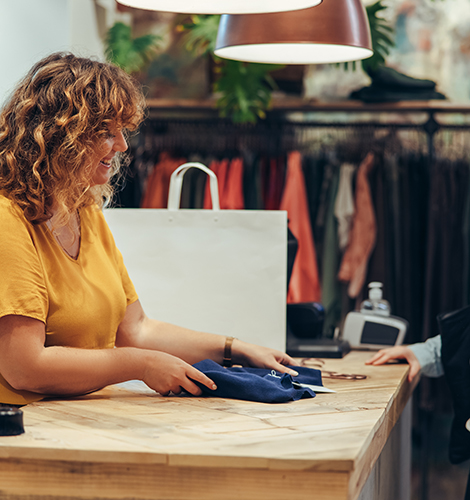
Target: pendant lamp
x=334, y=31
x=220, y=6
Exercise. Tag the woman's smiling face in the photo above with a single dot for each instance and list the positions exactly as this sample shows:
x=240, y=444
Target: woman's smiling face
x=113, y=143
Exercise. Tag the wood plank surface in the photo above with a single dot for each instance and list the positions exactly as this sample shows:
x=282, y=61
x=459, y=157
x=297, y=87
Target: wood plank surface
x=126, y=441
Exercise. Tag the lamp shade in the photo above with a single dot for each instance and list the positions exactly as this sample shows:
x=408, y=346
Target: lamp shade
x=220, y=6
x=334, y=31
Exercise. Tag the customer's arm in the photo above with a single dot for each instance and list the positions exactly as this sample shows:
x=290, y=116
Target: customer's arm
x=429, y=356
x=424, y=357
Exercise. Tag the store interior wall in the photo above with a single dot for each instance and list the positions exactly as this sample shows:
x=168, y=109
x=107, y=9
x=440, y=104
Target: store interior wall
x=432, y=41
x=32, y=29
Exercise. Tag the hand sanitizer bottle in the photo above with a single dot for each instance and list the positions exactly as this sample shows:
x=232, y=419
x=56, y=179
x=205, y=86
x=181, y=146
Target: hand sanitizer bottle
x=375, y=304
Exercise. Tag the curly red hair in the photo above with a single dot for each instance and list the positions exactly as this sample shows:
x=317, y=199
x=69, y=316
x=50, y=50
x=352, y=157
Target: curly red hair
x=50, y=126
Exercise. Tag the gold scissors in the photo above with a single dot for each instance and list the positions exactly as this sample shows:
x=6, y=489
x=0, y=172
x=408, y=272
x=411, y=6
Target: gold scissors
x=343, y=376
x=318, y=364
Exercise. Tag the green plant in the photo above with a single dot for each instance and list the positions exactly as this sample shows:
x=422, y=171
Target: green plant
x=130, y=54
x=244, y=88
x=200, y=34
x=381, y=35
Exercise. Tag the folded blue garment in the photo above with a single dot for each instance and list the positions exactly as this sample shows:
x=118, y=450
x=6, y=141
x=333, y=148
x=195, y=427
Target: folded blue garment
x=258, y=384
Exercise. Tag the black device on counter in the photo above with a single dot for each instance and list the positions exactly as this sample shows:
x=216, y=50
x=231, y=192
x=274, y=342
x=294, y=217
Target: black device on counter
x=305, y=333
x=318, y=348
x=11, y=421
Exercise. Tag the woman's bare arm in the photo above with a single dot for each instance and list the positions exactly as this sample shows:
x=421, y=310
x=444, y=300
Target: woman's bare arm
x=28, y=365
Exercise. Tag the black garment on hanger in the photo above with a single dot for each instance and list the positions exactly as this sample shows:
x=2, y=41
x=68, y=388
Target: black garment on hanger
x=444, y=280
x=129, y=193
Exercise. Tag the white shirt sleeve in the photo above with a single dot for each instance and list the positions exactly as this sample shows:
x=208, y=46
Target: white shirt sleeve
x=429, y=356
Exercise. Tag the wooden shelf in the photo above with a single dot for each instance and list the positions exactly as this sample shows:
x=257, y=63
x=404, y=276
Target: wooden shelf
x=292, y=104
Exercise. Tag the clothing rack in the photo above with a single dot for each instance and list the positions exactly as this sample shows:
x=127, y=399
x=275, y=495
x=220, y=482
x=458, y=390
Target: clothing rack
x=195, y=125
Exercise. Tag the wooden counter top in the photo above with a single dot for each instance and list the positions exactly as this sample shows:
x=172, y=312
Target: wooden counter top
x=125, y=442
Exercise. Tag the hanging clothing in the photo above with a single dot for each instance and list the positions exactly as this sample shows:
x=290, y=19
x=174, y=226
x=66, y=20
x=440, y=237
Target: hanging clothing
x=353, y=267
x=344, y=204
x=380, y=265
x=156, y=192
x=273, y=182
x=466, y=248
x=396, y=219
x=331, y=287
x=443, y=283
x=313, y=169
x=233, y=194
x=129, y=192
x=199, y=188
x=220, y=169
x=322, y=208
x=304, y=283
x=415, y=210
x=445, y=245
x=252, y=182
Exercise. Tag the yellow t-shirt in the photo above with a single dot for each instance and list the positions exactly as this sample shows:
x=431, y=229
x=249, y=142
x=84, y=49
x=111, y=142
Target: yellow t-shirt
x=81, y=302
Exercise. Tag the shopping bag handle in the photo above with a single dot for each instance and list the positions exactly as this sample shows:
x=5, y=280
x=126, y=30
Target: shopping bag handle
x=176, y=185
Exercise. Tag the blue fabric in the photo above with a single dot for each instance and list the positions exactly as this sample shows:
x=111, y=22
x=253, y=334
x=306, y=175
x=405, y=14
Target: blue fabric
x=258, y=384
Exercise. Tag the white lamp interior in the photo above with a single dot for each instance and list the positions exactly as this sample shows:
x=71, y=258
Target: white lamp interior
x=294, y=53
x=221, y=6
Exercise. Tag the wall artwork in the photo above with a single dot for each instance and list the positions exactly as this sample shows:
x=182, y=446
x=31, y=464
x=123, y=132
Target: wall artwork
x=175, y=73
x=432, y=41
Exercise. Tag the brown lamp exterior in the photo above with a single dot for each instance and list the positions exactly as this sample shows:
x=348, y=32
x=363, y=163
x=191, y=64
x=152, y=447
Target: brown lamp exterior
x=333, y=22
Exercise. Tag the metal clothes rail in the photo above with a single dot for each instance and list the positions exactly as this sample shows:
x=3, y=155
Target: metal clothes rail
x=193, y=126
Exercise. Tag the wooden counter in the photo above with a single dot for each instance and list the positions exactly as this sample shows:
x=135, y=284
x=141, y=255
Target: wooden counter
x=127, y=442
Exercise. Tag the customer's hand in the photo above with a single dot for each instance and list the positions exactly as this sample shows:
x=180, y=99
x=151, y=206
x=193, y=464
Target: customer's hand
x=262, y=357
x=398, y=352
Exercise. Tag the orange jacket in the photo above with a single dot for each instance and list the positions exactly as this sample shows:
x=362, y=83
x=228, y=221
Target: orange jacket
x=304, y=284
x=353, y=269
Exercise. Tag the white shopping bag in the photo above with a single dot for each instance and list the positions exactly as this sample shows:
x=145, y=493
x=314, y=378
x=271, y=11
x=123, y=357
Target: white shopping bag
x=219, y=271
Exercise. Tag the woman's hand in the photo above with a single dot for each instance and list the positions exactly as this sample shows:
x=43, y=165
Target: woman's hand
x=165, y=373
x=262, y=357
x=398, y=352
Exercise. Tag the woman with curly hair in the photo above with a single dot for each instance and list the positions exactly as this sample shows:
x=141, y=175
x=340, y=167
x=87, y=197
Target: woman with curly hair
x=70, y=318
